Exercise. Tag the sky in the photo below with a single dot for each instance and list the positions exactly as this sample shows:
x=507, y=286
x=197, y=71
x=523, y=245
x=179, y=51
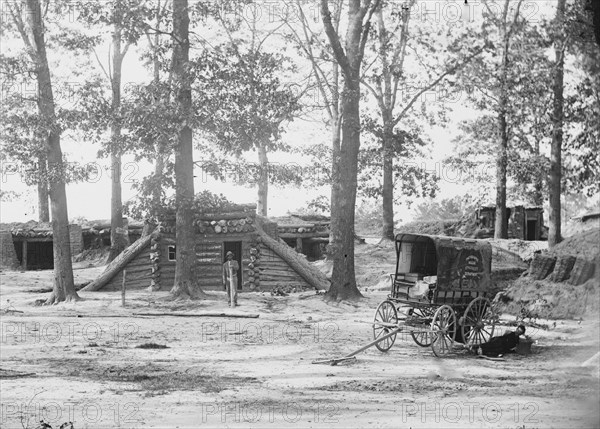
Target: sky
x=91, y=199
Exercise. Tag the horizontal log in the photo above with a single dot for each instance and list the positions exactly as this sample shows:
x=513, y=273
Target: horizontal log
x=246, y=316
x=314, y=240
x=225, y=216
x=303, y=234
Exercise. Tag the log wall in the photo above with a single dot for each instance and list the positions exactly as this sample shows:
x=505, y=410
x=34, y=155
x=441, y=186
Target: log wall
x=209, y=256
x=274, y=271
x=139, y=273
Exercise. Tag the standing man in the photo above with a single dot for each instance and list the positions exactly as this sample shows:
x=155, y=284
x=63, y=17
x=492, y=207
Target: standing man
x=230, y=277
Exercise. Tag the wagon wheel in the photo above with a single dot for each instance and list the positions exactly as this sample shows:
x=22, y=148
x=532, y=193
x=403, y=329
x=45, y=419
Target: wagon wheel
x=385, y=316
x=421, y=317
x=444, y=325
x=477, y=324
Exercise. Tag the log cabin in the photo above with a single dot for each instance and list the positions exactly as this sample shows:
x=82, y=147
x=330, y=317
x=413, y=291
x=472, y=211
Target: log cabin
x=265, y=260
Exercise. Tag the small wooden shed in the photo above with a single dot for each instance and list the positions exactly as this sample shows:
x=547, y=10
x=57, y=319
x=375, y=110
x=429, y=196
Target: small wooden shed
x=34, y=246
x=524, y=223
x=266, y=261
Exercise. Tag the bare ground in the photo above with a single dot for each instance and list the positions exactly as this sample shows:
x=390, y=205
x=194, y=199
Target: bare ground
x=81, y=362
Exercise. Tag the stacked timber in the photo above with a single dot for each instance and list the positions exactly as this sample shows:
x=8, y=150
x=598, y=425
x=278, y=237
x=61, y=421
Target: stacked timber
x=275, y=272
x=222, y=225
x=32, y=233
x=135, y=258
x=253, y=267
x=155, y=262
x=209, y=264
x=280, y=263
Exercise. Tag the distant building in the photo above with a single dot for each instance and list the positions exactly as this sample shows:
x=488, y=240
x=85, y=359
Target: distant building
x=33, y=245
x=524, y=223
x=308, y=234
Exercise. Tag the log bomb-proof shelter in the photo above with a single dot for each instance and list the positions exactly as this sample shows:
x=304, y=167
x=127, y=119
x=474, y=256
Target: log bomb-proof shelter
x=265, y=260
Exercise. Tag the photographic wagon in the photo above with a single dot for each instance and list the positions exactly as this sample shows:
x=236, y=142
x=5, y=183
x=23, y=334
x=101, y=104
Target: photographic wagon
x=440, y=294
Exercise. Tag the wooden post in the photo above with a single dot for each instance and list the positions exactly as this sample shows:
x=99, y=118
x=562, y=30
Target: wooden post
x=24, y=257
x=123, y=289
x=232, y=285
x=299, y=245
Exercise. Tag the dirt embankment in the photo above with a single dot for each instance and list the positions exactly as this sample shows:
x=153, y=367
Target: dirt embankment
x=561, y=283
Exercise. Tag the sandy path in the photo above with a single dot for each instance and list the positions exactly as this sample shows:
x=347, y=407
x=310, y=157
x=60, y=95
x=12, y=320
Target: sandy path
x=227, y=372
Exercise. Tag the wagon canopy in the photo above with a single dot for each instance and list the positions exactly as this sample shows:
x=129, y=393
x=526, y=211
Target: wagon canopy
x=460, y=264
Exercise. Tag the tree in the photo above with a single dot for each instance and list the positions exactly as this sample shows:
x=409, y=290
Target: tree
x=32, y=34
x=128, y=23
x=345, y=161
x=383, y=82
x=326, y=71
x=494, y=77
x=185, y=284
x=243, y=80
x=251, y=104
x=555, y=173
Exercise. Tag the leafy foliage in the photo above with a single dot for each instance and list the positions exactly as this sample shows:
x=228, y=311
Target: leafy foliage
x=410, y=179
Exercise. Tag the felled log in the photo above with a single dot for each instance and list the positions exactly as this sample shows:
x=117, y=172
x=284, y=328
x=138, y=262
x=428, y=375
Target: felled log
x=245, y=316
x=310, y=274
x=119, y=263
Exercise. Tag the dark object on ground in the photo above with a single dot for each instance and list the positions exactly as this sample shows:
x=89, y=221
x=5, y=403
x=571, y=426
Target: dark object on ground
x=503, y=344
x=151, y=346
x=524, y=346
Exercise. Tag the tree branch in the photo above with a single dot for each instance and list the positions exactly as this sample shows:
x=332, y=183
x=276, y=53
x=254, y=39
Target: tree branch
x=451, y=70
x=334, y=40
x=100, y=64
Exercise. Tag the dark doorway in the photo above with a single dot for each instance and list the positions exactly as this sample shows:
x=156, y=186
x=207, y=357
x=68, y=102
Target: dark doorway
x=236, y=248
x=35, y=255
x=531, y=230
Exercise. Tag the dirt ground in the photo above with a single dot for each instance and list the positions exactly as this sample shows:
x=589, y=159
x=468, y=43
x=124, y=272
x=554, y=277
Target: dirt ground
x=82, y=362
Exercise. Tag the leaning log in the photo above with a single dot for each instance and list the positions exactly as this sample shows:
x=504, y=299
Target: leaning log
x=310, y=274
x=119, y=263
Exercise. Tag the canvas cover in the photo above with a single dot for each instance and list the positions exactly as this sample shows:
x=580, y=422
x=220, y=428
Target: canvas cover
x=462, y=264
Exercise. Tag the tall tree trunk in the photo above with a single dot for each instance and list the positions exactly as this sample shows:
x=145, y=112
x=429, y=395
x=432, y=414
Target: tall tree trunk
x=159, y=166
x=185, y=284
x=538, y=186
x=336, y=140
x=42, y=185
x=345, y=167
x=118, y=237
x=501, y=225
x=263, y=181
x=387, y=232
x=555, y=174
x=161, y=157
x=63, y=287
x=343, y=280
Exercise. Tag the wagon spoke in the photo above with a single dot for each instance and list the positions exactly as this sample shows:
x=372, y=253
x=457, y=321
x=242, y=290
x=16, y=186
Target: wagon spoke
x=477, y=326
x=385, y=314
